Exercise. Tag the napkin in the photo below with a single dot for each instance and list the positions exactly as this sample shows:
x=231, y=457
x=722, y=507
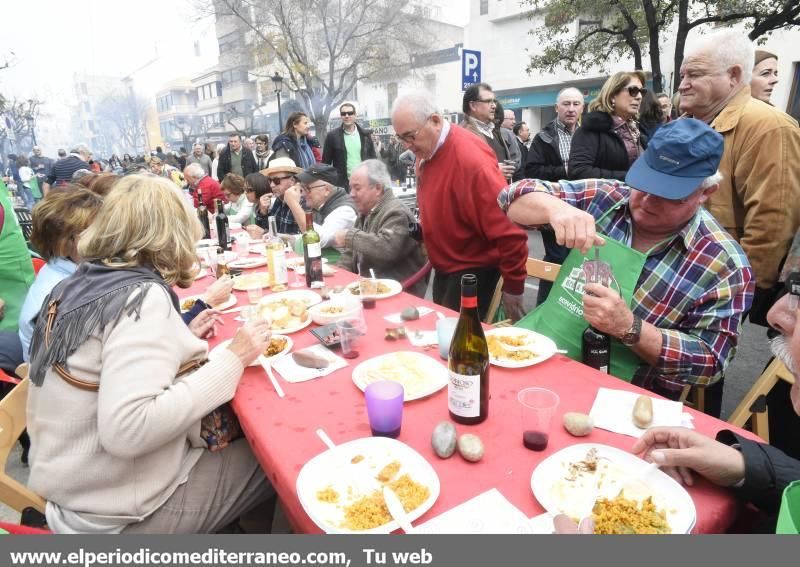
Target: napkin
x=293, y=372
x=487, y=513
x=423, y=338
x=396, y=317
x=613, y=411
x=542, y=524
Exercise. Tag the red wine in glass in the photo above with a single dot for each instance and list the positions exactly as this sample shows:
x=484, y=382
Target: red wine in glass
x=535, y=440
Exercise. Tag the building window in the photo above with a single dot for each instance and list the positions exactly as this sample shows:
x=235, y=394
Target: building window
x=90, y=125
x=793, y=106
x=210, y=90
x=484, y=7
x=86, y=107
x=233, y=76
x=84, y=90
x=164, y=103
x=197, y=52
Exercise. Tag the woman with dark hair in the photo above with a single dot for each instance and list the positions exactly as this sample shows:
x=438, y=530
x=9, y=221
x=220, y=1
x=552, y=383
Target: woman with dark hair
x=609, y=140
x=259, y=193
x=293, y=142
x=651, y=116
x=238, y=207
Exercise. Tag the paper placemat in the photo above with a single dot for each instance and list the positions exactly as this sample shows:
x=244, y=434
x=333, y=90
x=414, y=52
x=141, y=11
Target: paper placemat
x=293, y=372
x=397, y=319
x=487, y=513
x=613, y=411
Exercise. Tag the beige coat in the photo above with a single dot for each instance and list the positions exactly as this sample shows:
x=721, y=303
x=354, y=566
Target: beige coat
x=758, y=201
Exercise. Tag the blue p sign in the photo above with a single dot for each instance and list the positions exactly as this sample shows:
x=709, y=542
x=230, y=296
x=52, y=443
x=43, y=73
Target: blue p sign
x=470, y=68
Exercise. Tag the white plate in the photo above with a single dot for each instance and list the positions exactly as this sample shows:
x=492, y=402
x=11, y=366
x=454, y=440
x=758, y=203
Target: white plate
x=334, y=469
x=248, y=263
x=420, y=375
x=394, y=286
x=298, y=261
x=246, y=281
x=231, y=301
x=309, y=297
x=320, y=317
x=558, y=495
x=542, y=346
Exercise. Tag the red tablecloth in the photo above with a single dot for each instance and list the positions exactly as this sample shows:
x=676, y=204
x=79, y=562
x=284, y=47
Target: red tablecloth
x=281, y=431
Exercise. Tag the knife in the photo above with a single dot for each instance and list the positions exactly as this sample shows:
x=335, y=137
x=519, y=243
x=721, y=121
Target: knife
x=396, y=509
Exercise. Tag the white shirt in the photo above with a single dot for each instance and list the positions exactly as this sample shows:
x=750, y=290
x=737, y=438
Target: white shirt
x=239, y=211
x=340, y=218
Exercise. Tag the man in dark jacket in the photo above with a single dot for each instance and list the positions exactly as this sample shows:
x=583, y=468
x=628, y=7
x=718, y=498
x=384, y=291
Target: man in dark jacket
x=62, y=170
x=235, y=159
x=547, y=160
x=523, y=135
x=348, y=145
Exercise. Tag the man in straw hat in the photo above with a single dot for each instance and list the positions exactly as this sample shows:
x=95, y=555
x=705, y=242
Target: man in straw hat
x=282, y=175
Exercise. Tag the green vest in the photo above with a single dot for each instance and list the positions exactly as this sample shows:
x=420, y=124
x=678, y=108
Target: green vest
x=16, y=270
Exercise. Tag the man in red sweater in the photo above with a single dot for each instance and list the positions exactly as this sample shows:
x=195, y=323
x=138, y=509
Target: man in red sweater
x=464, y=229
x=199, y=182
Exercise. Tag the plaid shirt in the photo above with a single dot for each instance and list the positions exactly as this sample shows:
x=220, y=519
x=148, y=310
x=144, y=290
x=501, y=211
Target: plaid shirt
x=564, y=140
x=284, y=219
x=694, y=287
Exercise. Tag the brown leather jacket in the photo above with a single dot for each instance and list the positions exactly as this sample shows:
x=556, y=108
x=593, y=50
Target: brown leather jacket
x=758, y=200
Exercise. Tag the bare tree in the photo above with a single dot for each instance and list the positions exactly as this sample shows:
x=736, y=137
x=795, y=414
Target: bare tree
x=20, y=116
x=324, y=47
x=127, y=114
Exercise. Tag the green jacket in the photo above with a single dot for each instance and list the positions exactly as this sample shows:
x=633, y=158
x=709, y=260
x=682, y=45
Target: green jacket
x=16, y=270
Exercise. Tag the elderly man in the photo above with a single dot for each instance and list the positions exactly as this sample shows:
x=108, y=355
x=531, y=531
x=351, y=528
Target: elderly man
x=758, y=198
x=200, y=182
x=665, y=102
x=347, y=146
x=235, y=159
x=547, y=160
x=62, y=170
x=480, y=110
x=684, y=281
x=332, y=207
x=464, y=232
x=199, y=156
x=380, y=238
x=758, y=473
x=282, y=176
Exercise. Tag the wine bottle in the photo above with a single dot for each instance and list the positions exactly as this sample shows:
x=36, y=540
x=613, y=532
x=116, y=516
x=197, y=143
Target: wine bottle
x=312, y=254
x=596, y=347
x=276, y=258
x=202, y=214
x=221, y=220
x=468, y=363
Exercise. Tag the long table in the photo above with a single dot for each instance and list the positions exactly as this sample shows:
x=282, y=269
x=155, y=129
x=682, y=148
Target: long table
x=281, y=430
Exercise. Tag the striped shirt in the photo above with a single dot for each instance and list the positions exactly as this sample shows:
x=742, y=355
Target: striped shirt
x=694, y=287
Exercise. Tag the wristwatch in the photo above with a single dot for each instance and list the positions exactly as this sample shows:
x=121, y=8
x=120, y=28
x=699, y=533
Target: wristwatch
x=631, y=336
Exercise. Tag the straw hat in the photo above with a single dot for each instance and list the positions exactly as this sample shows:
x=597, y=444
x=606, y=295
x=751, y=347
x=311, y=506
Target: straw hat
x=281, y=165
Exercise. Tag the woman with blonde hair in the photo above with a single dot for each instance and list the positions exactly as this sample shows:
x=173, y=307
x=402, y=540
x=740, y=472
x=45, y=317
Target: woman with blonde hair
x=114, y=409
x=238, y=208
x=58, y=221
x=609, y=139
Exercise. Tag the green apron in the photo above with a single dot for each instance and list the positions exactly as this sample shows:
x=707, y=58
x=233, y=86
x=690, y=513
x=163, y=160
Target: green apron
x=789, y=515
x=560, y=317
x=16, y=270
x=33, y=185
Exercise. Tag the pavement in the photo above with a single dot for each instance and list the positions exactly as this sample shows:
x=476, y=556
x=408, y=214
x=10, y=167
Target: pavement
x=752, y=356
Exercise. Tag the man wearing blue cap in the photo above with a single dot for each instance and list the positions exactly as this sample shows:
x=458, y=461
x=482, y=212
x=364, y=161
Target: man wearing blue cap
x=681, y=281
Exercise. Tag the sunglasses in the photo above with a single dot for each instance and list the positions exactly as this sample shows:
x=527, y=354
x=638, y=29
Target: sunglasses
x=277, y=180
x=345, y=113
x=633, y=90
x=793, y=289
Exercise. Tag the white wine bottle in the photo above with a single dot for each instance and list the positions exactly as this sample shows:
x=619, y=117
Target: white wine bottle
x=276, y=258
x=468, y=363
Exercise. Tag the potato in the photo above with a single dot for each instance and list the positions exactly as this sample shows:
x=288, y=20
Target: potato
x=578, y=424
x=643, y=412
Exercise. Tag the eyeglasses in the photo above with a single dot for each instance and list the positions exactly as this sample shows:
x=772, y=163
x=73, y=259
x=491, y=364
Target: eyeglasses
x=277, y=180
x=310, y=187
x=793, y=289
x=345, y=113
x=488, y=100
x=633, y=90
x=411, y=136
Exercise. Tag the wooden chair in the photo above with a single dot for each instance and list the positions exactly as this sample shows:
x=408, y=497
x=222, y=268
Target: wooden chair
x=536, y=269
x=12, y=424
x=753, y=402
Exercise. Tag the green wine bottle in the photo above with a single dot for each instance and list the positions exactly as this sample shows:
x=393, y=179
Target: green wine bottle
x=312, y=254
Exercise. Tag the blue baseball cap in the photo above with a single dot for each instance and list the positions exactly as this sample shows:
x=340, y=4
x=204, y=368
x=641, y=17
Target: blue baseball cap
x=678, y=158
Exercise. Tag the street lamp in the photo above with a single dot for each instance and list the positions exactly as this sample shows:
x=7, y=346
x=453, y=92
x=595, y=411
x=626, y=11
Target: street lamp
x=277, y=81
x=30, y=120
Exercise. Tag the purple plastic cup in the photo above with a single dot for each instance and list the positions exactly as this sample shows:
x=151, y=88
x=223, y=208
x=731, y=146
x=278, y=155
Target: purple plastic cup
x=385, y=408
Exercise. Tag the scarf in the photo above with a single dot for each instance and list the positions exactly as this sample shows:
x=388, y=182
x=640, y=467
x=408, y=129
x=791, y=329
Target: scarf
x=628, y=132
x=89, y=300
x=262, y=159
x=338, y=198
x=304, y=153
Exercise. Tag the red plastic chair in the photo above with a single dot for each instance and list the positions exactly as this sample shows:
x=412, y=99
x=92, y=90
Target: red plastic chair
x=22, y=530
x=38, y=264
x=6, y=378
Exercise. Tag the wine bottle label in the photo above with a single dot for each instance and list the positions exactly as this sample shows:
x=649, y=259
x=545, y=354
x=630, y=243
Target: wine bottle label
x=464, y=394
x=314, y=250
x=278, y=270
x=469, y=301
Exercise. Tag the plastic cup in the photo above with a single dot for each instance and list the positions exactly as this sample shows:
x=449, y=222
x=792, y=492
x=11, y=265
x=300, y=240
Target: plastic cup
x=350, y=334
x=254, y=293
x=385, y=408
x=444, y=332
x=243, y=244
x=538, y=407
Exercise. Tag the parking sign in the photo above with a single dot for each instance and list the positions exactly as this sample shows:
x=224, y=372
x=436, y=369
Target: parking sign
x=470, y=68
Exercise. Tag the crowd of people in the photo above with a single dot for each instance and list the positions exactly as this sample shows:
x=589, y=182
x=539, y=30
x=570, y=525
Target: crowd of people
x=691, y=199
